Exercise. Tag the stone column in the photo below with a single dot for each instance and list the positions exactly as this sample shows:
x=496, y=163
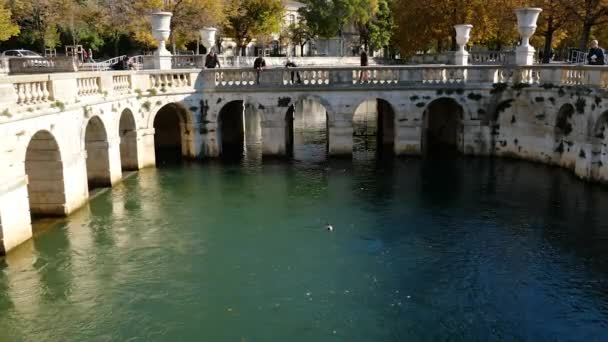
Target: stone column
x=15, y=222
x=274, y=138
x=76, y=186
x=146, y=153
x=408, y=138
x=340, y=135
x=115, y=167
x=195, y=140
x=210, y=139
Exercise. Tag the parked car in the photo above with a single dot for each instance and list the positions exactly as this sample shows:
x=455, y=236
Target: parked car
x=37, y=60
x=20, y=53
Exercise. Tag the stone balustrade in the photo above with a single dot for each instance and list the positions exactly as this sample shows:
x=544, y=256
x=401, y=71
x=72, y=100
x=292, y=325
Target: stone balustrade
x=88, y=86
x=121, y=83
x=170, y=79
x=27, y=90
x=33, y=92
x=400, y=76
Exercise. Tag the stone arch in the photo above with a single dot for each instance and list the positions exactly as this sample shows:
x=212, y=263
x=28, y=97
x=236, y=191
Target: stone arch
x=317, y=98
x=306, y=128
x=172, y=124
x=231, y=128
x=599, y=129
x=442, y=127
x=374, y=126
x=127, y=131
x=44, y=169
x=98, y=156
x=563, y=124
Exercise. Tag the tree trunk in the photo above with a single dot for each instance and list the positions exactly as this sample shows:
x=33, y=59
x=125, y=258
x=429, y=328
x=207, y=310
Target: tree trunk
x=116, y=41
x=548, y=44
x=585, y=35
x=173, y=44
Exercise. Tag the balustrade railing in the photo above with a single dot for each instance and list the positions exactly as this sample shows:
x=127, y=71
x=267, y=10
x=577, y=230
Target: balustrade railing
x=88, y=86
x=170, y=80
x=121, y=83
x=33, y=92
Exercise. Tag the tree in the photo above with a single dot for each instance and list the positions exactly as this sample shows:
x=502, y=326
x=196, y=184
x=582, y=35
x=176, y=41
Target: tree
x=38, y=20
x=248, y=19
x=554, y=18
x=590, y=13
x=7, y=27
x=381, y=27
x=300, y=34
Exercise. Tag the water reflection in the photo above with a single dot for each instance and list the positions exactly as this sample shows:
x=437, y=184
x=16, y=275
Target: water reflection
x=422, y=250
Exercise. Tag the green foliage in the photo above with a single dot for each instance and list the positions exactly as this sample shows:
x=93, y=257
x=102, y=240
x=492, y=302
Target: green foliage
x=7, y=27
x=382, y=26
x=253, y=19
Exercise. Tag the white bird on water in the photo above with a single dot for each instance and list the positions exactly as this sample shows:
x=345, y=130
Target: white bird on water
x=329, y=227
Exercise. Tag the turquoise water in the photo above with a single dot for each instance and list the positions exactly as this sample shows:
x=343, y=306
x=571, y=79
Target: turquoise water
x=463, y=250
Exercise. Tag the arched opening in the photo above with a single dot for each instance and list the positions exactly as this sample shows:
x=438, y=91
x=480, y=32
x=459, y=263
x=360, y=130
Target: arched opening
x=599, y=131
x=231, y=133
x=442, y=128
x=306, y=130
x=44, y=169
x=169, y=132
x=563, y=126
x=373, y=128
x=128, y=141
x=98, y=159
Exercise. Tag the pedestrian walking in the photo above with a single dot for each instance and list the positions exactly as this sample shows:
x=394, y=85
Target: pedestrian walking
x=364, y=62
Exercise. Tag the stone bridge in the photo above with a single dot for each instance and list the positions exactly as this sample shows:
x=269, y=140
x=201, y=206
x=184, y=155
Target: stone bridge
x=64, y=134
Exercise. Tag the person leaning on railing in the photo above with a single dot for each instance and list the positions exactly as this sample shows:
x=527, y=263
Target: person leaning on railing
x=291, y=64
x=596, y=54
x=259, y=64
x=212, y=61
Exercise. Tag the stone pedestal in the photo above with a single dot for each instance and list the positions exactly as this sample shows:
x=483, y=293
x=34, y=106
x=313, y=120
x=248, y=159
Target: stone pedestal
x=524, y=55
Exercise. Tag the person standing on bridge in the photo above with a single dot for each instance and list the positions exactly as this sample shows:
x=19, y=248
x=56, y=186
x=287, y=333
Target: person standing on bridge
x=596, y=54
x=364, y=63
x=212, y=61
x=259, y=64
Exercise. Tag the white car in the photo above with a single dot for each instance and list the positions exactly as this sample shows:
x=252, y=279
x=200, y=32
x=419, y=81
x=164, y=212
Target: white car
x=21, y=54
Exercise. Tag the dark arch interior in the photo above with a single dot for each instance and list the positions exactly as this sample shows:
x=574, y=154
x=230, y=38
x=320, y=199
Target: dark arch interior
x=44, y=169
x=168, y=135
x=373, y=128
x=232, y=129
x=128, y=141
x=442, y=128
x=98, y=159
x=306, y=130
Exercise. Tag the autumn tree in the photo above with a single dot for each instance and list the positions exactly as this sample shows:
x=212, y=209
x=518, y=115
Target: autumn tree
x=7, y=27
x=39, y=20
x=589, y=13
x=380, y=28
x=250, y=19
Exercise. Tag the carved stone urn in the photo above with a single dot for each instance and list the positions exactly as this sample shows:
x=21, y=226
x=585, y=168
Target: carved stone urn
x=526, y=25
x=161, y=30
x=208, y=37
x=462, y=38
